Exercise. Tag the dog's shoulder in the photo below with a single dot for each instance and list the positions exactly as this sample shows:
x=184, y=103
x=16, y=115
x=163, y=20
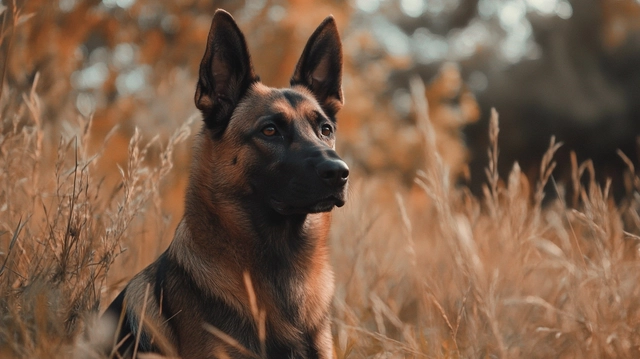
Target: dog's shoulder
x=136, y=315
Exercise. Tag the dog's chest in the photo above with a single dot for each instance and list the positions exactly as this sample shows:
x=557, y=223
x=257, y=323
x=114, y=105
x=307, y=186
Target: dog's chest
x=300, y=302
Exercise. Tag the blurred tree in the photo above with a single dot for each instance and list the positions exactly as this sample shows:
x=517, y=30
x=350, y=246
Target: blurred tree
x=550, y=67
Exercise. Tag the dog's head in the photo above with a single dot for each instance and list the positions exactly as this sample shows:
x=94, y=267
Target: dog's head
x=275, y=145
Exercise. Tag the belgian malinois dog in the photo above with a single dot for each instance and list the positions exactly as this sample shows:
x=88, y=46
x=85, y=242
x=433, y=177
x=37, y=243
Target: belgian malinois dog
x=247, y=274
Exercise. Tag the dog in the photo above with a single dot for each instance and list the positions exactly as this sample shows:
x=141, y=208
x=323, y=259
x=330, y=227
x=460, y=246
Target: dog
x=247, y=273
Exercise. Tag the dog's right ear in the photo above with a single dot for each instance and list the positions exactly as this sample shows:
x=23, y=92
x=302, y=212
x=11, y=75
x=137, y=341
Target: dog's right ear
x=225, y=72
x=320, y=67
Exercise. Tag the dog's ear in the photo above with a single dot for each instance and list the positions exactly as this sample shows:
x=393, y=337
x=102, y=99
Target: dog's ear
x=225, y=72
x=320, y=67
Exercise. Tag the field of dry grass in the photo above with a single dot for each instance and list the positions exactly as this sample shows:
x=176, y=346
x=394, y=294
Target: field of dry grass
x=422, y=271
x=429, y=271
x=436, y=272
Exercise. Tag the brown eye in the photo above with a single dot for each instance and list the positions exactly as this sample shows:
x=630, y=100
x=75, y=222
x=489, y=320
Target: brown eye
x=326, y=130
x=269, y=130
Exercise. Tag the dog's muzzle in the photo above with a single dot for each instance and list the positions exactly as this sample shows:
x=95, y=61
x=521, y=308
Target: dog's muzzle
x=320, y=184
x=333, y=172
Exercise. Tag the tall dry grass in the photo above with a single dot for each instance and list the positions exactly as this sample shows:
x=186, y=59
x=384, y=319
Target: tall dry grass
x=429, y=271
x=61, y=229
x=435, y=272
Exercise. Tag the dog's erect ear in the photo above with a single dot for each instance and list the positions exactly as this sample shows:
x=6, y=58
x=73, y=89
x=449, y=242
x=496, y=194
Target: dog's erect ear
x=320, y=67
x=225, y=72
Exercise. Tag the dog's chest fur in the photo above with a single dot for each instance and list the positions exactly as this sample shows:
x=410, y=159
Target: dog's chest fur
x=293, y=290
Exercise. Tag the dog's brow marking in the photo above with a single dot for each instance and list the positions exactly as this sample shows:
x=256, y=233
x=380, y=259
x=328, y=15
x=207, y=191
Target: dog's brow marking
x=278, y=118
x=320, y=116
x=294, y=98
x=283, y=108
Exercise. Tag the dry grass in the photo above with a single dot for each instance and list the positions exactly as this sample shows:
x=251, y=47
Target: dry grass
x=429, y=271
x=61, y=230
x=440, y=273
x=425, y=272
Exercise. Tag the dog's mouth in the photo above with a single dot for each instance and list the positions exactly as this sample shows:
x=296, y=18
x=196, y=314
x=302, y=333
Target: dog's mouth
x=323, y=205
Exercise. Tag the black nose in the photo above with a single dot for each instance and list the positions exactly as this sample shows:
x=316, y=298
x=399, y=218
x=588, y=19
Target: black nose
x=333, y=172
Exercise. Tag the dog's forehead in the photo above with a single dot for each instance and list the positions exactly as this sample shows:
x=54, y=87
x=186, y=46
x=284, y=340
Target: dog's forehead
x=294, y=103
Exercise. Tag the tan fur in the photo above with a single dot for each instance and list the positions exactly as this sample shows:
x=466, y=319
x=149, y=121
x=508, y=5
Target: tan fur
x=152, y=315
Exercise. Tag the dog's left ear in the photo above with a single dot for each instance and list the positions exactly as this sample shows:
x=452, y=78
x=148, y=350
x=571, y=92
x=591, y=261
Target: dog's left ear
x=320, y=67
x=225, y=72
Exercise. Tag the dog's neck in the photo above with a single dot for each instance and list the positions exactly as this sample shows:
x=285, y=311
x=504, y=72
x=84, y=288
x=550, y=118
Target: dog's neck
x=226, y=224
x=278, y=253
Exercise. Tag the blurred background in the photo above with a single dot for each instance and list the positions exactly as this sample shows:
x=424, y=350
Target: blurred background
x=518, y=279
x=569, y=68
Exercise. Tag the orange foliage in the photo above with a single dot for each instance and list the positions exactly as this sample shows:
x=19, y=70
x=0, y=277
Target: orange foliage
x=620, y=18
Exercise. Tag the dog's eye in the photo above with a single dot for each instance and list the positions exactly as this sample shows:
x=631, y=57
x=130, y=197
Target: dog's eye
x=269, y=130
x=326, y=130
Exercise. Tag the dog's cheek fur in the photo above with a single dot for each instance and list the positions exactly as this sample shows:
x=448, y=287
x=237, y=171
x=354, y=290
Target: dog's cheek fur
x=220, y=166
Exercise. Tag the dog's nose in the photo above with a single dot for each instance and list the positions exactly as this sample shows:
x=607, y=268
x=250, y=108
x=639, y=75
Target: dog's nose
x=333, y=172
